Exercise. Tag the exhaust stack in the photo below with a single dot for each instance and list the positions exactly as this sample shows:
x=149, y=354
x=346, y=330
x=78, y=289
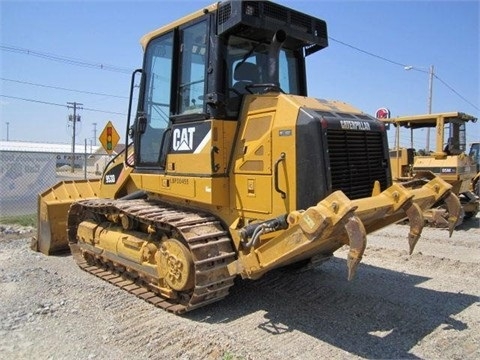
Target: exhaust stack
x=273, y=57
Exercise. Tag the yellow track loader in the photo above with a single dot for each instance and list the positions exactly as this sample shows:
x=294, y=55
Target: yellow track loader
x=448, y=161
x=231, y=169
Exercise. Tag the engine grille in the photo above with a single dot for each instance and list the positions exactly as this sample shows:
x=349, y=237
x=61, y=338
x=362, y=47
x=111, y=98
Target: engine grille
x=356, y=161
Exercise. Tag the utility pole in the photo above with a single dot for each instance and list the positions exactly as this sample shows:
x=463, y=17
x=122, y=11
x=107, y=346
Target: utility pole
x=8, y=124
x=430, y=88
x=430, y=92
x=431, y=75
x=74, y=119
x=94, y=134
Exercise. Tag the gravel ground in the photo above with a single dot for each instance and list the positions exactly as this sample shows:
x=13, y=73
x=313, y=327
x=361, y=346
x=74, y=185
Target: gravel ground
x=399, y=306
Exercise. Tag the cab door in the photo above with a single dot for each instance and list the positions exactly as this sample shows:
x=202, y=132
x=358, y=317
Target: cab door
x=154, y=111
x=174, y=84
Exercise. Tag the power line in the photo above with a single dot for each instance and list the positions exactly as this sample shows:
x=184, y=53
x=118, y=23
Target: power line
x=404, y=65
x=32, y=100
x=368, y=53
x=65, y=59
x=85, y=63
x=455, y=91
x=62, y=105
x=104, y=111
x=65, y=89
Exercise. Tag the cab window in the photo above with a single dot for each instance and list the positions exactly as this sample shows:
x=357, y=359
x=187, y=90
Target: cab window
x=156, y=103
x=247, y=64
x=193, y=54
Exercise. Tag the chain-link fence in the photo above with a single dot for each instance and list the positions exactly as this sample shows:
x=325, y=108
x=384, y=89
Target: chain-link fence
x=24, y=175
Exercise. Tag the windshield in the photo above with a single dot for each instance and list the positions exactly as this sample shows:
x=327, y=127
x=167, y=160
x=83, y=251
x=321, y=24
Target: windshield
x=247, y=64
x=455, y=141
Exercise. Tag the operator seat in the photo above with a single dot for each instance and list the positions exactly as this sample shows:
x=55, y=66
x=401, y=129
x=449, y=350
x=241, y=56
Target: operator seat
x=245, y=73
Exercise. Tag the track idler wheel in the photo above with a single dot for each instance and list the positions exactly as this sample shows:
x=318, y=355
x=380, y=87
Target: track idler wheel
x=176, y=265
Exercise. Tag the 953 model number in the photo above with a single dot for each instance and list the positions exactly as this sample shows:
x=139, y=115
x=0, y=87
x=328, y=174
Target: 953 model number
x=110, y=179
x=448, y=170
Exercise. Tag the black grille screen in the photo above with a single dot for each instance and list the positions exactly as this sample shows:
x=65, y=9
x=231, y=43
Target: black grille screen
x=224, y=13
x=356, y=161
x=259, y=20
x=275, y=12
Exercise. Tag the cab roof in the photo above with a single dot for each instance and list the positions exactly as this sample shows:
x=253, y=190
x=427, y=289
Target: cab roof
x=183, y=20
x=258, y=21
x=430, y=120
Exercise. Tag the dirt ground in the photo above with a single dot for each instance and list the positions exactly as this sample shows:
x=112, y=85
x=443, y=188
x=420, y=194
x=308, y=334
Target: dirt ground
x=399, y=306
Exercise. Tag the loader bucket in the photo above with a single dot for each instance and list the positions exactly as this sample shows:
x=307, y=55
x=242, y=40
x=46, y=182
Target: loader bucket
x=53, y=206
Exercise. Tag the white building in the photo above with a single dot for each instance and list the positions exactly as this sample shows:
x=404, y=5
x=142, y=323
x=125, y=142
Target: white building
x=29, y=168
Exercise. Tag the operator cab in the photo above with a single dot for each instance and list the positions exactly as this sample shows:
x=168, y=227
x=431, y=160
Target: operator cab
x=248, y=72
x=456, y=139
x=201, y=67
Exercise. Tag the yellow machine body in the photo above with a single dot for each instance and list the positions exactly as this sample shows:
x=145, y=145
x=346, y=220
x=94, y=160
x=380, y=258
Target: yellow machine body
x=232, y=183
x=474, y=153
x=448, y=160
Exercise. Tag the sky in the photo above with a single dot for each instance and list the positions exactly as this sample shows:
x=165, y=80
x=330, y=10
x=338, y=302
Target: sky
x=57, y=52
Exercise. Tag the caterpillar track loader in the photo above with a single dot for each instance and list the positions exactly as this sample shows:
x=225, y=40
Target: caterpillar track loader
x=449, y=161
x=231, y=169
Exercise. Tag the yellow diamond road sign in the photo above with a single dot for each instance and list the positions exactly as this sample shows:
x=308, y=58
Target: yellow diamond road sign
x=109, y=138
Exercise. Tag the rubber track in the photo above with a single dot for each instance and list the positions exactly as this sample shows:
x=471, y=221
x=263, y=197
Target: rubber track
x=209, y=243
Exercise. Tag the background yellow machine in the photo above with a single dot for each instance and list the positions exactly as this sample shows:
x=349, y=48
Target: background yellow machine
x=232, y=170
x=448, y=160
x=474, y=153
